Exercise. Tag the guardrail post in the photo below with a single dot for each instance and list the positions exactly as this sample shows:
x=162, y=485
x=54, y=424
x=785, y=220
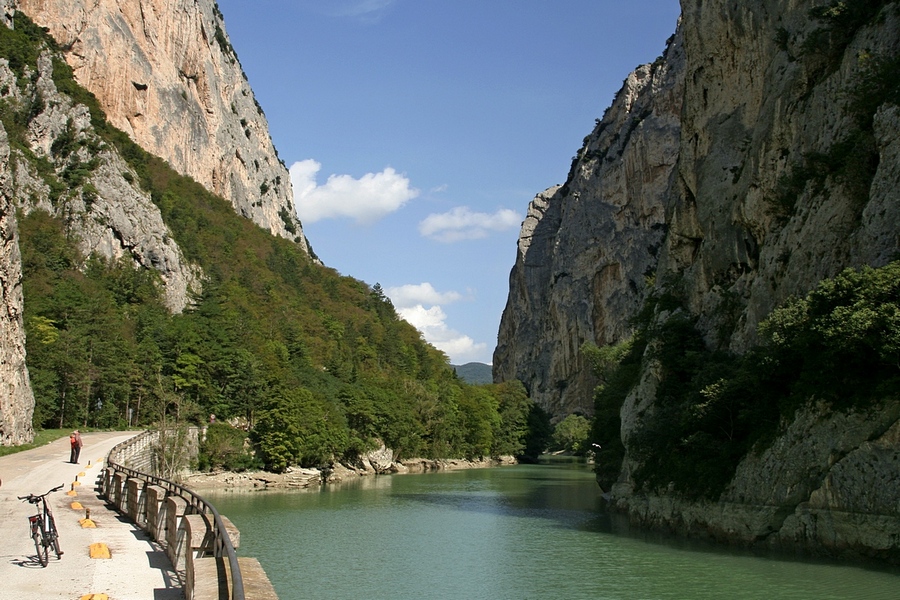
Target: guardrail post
x=234, y=534
x=195, y=536
x=106, y=483
x=134, y=500
x=175, y=509
x=156, y=512
x=118, y=489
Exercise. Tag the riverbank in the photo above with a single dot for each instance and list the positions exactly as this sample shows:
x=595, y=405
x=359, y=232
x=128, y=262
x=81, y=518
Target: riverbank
x=298, y=477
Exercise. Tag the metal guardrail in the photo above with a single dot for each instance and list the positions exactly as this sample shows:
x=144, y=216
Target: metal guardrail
x=221, y=543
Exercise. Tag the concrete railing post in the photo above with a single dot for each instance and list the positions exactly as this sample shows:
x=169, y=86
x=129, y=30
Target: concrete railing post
x=175, y=509
x=156, y=512
x=118, y=489
x=134, y=500
x=194, y=536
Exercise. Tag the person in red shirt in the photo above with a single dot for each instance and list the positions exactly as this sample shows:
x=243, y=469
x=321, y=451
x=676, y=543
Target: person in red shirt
x=75, y=442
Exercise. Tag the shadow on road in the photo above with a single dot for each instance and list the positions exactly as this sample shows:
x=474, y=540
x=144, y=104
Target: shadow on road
x=29, y=562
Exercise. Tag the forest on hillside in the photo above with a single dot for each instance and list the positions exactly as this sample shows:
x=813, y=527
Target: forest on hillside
x=313, y=365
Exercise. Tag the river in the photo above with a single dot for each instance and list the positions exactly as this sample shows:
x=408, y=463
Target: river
x=520, y=532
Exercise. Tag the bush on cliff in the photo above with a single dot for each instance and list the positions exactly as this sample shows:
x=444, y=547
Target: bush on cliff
x=840, y=343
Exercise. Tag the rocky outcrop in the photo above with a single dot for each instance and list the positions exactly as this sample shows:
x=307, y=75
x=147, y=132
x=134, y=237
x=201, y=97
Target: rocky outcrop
x=16, y=398
x=109, y=213
x=772, y=176
x=7, y=10
x=826, y=486
x=165, y=72
x=588, y=249
x=758, y=108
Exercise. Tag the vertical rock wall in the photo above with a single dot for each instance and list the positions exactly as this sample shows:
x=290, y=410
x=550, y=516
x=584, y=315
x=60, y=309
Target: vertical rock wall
x=678, y=185
x=16, y=398
x=758, y=104
x=588, y=249
x=755, y=167
x=165, y=73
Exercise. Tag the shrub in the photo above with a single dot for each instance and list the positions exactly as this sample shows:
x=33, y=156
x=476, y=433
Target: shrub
x=224, y=448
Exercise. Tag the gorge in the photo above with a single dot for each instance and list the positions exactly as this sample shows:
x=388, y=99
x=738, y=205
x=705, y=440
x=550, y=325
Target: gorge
x=756, y=158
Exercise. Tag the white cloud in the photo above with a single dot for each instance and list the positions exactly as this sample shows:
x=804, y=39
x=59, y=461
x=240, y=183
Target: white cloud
x=365, y=200
x=424, y=293
x=463, y=224
x=367, y=11
x=431, y=322
x=362, y=8
x=411, y=301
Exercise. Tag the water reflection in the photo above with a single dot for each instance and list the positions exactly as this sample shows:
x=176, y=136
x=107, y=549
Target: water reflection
x=528, y=531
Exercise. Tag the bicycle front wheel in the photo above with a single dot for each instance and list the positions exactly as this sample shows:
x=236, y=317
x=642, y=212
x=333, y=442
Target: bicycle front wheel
x=54, y=535
x=42, y=549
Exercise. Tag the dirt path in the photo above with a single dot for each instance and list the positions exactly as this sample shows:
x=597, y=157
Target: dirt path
x=137, y=570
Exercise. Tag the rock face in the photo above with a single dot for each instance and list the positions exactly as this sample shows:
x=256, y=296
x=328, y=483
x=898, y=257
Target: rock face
x=16, y=398
x=110, y=214
x=165, y=72
x=587, y=249
x=826, y=487
x=754, y=114
x=727, y=170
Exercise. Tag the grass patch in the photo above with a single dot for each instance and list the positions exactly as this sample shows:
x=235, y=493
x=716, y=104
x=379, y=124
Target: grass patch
x=41, y=438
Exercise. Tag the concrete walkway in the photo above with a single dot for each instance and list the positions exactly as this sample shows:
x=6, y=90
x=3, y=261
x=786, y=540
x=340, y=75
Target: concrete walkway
x=138, y=568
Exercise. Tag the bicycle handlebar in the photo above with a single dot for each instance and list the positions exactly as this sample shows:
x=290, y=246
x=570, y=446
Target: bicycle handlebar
x=35, y=499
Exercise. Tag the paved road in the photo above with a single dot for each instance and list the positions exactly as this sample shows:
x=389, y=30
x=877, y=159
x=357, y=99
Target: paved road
x=137, y=570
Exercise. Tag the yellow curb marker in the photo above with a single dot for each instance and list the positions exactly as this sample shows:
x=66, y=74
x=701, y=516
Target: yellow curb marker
x=76, y=506
x=95, y=597
x=71, y=493
x=88, y=524
x=100, y=550
x=82, y=474
x=76, y=483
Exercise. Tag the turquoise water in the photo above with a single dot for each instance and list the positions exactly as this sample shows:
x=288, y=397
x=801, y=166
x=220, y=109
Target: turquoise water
x=522, y=532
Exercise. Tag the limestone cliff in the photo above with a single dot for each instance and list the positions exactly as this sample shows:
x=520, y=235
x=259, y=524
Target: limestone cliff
x=760, y=164
x=109, y=213
x=588, y=249
x=59, y=164
x=16, y=398
x=165, y=72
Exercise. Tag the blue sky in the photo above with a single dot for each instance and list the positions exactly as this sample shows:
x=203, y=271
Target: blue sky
x=417, y=131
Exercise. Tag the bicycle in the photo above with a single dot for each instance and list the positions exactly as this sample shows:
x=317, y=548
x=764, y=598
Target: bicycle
x=43, y=527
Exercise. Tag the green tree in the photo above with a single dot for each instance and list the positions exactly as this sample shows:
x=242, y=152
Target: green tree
x=512, y=428
x=223, y=447
x=572, y=434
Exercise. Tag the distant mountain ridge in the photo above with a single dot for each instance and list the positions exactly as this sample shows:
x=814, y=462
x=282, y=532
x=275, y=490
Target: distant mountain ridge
x=475, y=373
